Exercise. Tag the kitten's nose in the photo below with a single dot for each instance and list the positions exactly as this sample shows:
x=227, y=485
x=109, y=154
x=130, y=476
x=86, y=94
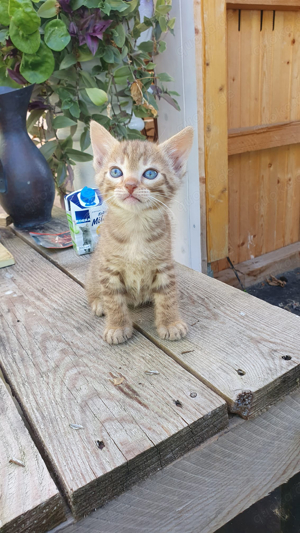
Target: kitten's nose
x=130, y=186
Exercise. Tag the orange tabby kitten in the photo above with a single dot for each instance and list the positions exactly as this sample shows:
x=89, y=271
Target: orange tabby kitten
x=133, y=260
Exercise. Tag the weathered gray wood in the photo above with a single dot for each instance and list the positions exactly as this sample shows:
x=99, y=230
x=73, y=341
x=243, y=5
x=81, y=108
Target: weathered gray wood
x=62, y=373
x=229, y=331
x=29, y=499
x=211, y=485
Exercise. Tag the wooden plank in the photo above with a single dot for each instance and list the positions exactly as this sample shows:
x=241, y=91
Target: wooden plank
x=62, y=373
x=225, y=327
x=214, y=483
x=215, y=118
x=6, y=259
x=29, y=499
x=241, y=140
x=260, y=268
x=286, y=5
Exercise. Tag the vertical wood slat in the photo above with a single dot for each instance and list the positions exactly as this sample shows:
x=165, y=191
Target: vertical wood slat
x=215, y=113
x=264, y=186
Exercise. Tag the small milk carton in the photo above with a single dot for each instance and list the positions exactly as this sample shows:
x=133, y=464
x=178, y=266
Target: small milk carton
x=85, y=210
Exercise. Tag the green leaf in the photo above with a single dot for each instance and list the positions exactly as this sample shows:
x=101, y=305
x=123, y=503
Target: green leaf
x=87, y=80
x=61, y=173
x=117, y=5
x=135, y=134
x=76, y=155
x=104, y=120
x=150, y=66
x=34, y=116
x=56, y=35
x=108, y=55
x=146, y=46
x=97, y=96
x=4, y=16
x=3, y=35
x=162, y=10
x=67, y=143
x=119, y=35
x=48, y=149
x=38, y=67
x=84, y=54
x=165, y=77
x=85, y=139
x=76, y=4
x=122, y=75
x=74, y=110
x=26, y=19
x=48, y=9
x=163, y=23
x=171, y=23
x=63, y=122
x=162, y=45
x=68, y=61
x=26, y=43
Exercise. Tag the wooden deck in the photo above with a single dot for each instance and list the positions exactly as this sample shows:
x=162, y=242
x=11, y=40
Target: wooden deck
x=241, y=354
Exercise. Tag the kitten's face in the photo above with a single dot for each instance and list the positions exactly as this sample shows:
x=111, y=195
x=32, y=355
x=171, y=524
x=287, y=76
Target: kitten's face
x=139, y=175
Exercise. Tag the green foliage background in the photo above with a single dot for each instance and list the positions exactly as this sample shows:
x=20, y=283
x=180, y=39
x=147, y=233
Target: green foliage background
x=48, y=43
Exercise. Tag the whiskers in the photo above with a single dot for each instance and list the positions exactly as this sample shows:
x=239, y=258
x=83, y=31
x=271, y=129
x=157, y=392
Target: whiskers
x=156, y=201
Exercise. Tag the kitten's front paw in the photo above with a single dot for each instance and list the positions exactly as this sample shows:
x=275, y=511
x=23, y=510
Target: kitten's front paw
x=173, y=332
x=117, y=335
x=97, y=308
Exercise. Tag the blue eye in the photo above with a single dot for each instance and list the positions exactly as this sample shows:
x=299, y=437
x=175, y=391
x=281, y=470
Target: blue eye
x=150, y=174
x=116, y=172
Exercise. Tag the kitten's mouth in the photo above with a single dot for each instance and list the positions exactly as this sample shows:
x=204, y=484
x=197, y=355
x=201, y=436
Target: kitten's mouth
x=130, y=199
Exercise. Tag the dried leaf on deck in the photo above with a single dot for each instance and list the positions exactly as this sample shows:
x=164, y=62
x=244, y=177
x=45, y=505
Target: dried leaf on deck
x=276, y=282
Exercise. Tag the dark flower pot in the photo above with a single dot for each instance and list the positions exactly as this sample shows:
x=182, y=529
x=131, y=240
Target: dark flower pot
x=26, y=183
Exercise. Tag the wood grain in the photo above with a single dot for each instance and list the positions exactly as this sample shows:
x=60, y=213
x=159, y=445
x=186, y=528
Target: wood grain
x=29, y=499
x=264, y=132
x=253, y=138
x=62, y=373
x=211, y=485
x=229, y=331
x=215, y=123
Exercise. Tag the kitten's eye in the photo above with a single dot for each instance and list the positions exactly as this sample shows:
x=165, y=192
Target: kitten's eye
x=150, y=174
x=116, y=172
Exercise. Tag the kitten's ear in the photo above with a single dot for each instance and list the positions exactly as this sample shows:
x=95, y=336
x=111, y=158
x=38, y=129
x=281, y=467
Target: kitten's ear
x=102, y=143
x=178, y=148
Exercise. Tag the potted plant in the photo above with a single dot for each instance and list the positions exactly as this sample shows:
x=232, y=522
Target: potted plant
x=87, y=59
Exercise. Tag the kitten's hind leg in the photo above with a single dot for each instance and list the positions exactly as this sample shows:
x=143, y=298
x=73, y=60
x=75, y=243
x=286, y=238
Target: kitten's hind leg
x=167, y=318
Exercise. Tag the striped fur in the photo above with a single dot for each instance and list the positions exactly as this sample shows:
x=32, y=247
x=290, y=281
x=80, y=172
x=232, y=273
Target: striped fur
x=133, y=261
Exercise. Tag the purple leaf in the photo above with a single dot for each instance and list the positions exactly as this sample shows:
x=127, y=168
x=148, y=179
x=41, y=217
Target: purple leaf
x=170, y=100
x=64, y=4
x=100, y=27
x=92, y=43
x=73, y=30
x=38, y=104
x=16, y=76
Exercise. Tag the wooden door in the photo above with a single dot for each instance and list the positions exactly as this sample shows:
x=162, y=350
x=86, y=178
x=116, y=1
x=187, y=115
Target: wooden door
x=263, y=66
